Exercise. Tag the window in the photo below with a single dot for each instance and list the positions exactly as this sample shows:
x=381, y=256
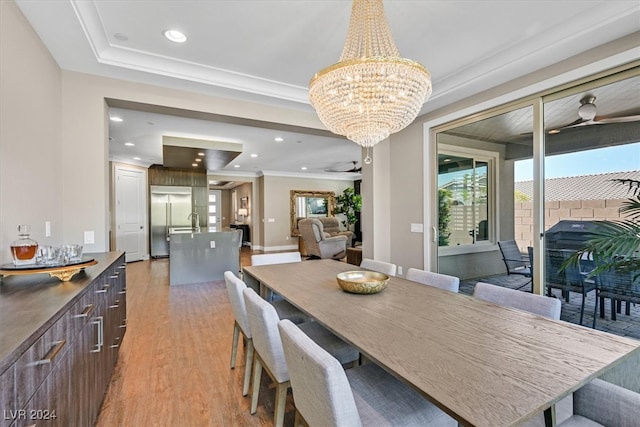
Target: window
x=465, y=197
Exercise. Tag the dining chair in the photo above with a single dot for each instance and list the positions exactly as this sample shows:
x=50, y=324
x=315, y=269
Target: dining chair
x=327, y=395
x=275, y=258
x=379, y=266
x=269, y=354
x=284, y=310
x=568, y=279
x=514, y=260
x=437, y=280
x=600, y=403
x=537, y=304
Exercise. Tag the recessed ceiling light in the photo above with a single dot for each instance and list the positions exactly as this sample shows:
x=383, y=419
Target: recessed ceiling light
x=553, y=131
x=175, y=36
x=137, y=158
x=304, y=168
x=198, y=159
x=194, y=164
x=254, y=155
x=115, y=119
x=236, y=166
x=447, y=160
x=201, y=154
x=129, y=144
x=278, y=139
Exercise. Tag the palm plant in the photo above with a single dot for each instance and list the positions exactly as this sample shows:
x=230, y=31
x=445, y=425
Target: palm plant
x=615, y=244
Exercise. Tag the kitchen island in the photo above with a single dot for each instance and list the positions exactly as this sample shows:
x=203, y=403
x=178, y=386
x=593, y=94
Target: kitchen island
x=198, y=257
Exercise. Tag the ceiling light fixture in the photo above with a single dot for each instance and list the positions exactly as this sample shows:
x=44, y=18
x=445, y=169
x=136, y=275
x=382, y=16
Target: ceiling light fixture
x=137, y=158
x=115, y=119
x=304, y=168
x=129, y=144
x=254, y=155
x=194, y=164
x=236, y=166
x=278, y=139
x=372, y=91
x=198, y=159
x=175, y=36
x=201, y=154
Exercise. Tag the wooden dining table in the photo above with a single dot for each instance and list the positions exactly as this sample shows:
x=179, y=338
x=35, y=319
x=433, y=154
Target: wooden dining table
x=483, y=364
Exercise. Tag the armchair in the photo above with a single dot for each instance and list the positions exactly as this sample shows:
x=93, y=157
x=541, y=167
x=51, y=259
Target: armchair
x=319, y=243
x=331, y=226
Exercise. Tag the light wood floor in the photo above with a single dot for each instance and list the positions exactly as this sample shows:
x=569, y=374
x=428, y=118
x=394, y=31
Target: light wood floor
x=173, y=367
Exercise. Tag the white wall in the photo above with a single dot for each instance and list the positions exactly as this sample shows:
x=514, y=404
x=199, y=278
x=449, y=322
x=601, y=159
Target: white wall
x=31, y=153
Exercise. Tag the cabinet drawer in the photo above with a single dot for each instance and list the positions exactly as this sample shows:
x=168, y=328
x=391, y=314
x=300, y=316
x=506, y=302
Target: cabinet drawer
x=81, y=312
x=8, y=397
x=33, y=366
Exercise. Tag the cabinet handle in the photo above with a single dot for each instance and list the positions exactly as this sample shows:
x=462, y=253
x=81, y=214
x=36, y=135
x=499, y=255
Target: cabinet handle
x=117, y=340
x=123, y=266
x=116, y=305
x=85, y=313
x=100, y=322
x=123, y=325
x=104, y=289
x=115, y=276
x=52, y=353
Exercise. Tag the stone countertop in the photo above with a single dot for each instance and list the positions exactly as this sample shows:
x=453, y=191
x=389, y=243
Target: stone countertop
x=29, y=304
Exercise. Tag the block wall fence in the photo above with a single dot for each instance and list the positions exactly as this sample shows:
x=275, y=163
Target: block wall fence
x=582, y=210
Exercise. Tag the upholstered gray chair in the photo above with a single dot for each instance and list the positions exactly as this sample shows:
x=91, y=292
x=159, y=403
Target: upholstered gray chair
x=319, y=243
x=380, y=266
x=438, y=280
x=331, y=226
x=537, y=304
x=284, y=310
x=600, y=403
x=269, y=354
x=326, y=395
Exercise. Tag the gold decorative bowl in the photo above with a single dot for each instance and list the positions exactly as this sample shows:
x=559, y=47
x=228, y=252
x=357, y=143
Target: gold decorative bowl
x=362, y=281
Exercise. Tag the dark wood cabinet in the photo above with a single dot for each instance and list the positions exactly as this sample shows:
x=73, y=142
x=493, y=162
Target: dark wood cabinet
x=61, y=376
x=246, y=233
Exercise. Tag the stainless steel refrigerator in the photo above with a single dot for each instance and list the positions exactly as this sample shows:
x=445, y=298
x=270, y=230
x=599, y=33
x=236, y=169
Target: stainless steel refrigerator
x=170, y=208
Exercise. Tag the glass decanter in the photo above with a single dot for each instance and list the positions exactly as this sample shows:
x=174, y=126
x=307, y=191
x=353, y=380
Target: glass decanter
x=25, y=249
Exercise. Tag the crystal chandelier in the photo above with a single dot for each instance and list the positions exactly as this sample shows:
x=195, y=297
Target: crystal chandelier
x=372, y=92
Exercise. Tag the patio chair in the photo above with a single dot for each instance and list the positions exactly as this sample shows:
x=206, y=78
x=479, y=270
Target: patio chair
x=569, y=279
x=514, y=260
x=618, y=287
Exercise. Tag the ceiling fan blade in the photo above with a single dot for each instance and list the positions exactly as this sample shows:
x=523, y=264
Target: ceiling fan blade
x=623, y=119
x=577, y=123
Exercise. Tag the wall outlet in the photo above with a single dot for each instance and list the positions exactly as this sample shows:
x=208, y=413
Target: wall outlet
x=89, y=238
x=399, y=270
x=271, y=220
x=212, y=244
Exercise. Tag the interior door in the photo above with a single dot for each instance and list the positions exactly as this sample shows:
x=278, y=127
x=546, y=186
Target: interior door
x=215, y=214
x=130, y=213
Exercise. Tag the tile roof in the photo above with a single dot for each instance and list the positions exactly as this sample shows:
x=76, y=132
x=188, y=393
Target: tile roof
x=583, y=187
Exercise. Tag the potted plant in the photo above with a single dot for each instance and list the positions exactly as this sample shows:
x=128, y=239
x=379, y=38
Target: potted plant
x=614, y=245
x=349, y=203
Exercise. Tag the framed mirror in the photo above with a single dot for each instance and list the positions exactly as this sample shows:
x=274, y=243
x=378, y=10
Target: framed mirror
x=310, y=204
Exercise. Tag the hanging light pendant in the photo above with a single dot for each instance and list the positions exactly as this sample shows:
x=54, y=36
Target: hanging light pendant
x=372, y=92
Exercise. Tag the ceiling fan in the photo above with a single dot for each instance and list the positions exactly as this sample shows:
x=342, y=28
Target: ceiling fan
x=354, y=169
x=587, y=113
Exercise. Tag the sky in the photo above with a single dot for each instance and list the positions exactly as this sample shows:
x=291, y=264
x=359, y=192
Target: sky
x=620, y=158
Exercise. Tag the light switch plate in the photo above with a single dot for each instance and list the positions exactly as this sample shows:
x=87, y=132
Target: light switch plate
x=212, y=243
x=416, y=228
x=89, y=238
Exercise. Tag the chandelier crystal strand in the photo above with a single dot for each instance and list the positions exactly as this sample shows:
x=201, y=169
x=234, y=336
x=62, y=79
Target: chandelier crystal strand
x=372, y=92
